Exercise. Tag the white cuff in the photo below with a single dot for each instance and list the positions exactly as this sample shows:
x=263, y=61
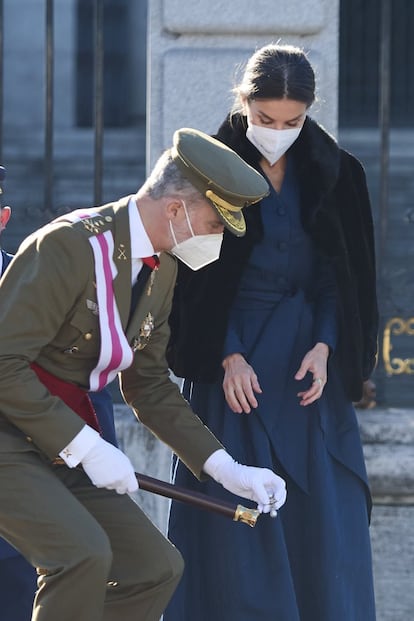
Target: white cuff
x=81, y=444
x=216, y=460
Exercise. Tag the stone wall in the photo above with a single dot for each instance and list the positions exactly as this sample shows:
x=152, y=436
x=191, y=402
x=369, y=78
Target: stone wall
x=195, y=48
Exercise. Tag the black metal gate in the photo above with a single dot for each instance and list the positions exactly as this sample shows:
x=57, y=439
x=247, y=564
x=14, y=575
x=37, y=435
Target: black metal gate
x=377, y=91
x=360, y=72
x=71, y=165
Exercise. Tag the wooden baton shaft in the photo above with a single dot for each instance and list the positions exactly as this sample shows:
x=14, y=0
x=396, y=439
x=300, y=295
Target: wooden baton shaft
x=197, y=499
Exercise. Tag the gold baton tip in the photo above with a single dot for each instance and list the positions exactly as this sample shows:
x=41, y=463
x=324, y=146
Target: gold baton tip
x=245, y=515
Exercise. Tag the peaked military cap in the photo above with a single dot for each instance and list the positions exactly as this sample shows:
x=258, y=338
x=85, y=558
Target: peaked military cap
x=219, y=174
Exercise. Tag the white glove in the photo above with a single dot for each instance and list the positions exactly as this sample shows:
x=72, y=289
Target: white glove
x=258, y=484
x=107, y=466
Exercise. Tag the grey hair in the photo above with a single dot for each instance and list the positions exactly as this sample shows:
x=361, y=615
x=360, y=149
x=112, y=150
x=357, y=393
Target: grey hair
x=166, y=179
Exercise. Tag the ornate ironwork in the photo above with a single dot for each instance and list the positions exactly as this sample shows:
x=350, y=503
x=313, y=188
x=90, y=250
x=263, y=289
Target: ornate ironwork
x=396, y=326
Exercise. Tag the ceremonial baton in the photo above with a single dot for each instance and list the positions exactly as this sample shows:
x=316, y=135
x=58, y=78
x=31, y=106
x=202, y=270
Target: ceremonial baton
x=197, y=499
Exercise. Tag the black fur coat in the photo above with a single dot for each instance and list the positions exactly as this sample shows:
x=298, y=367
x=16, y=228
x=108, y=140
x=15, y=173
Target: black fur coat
x=337, y=215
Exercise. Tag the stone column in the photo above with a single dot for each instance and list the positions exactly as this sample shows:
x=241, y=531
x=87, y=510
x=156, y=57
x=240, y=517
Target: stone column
x=195, y=48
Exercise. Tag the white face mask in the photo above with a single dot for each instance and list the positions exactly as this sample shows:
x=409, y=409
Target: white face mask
x=198, y=250
x=272, y=143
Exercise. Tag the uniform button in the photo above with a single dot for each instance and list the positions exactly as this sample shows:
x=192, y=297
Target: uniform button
x=281, y=211
x=87, y=336
x=108, y=218
x=282, y=246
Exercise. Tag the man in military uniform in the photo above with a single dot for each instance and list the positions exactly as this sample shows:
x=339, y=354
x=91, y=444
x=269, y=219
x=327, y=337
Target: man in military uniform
x=67, y=326
x=17, y=577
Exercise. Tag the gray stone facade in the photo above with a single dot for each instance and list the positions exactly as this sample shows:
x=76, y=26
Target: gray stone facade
x=196, y=47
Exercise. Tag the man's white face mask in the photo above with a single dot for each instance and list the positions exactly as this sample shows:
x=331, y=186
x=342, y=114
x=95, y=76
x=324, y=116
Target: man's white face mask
x=272, y=143
x=198, y=250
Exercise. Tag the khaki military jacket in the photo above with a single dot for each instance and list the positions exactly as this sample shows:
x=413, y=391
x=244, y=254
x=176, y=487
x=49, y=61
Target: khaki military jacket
x=49, y=314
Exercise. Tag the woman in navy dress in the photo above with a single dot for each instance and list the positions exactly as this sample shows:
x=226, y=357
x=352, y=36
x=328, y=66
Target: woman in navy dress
x=274, y=341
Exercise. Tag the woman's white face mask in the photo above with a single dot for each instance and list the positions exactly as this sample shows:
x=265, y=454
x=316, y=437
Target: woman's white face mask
x=198, y=250
x=272, y=143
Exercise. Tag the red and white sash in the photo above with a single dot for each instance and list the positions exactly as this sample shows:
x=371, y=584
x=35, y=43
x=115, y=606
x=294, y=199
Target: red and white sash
x=116, y=353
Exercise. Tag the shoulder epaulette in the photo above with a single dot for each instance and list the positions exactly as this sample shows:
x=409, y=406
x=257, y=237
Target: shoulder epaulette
x=93, y=224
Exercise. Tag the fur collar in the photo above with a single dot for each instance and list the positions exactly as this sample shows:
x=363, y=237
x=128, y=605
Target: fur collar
x=316, y=154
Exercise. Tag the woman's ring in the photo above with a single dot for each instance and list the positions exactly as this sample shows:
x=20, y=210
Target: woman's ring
x=318, y=380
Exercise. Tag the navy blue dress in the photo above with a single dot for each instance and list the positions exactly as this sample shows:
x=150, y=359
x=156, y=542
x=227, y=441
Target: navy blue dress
x=313, y=561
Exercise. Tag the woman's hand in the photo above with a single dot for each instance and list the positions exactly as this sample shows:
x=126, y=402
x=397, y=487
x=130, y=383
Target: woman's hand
x=314, y=362
x=239, y=384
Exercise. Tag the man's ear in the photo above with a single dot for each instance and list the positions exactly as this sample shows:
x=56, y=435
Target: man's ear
x=173, y=208
x=5, y=213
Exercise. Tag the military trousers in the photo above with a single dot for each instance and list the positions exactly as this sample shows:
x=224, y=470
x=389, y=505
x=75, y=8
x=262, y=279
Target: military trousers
x=97, y=555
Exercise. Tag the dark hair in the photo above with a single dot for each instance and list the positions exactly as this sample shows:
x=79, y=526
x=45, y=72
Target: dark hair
x=277, y=72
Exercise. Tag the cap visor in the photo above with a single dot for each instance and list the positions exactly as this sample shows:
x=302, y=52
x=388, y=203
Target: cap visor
x=233, y=220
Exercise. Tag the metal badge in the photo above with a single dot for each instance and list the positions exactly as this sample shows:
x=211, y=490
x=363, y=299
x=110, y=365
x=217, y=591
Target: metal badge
x=147, y=326
x=151, y=282
x=121, y=253
x=92, y=306
x=93, y=225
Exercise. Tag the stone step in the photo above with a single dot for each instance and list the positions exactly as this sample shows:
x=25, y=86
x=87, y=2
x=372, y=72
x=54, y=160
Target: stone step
x=75, y=143
x=387, y=426
x=388, y=438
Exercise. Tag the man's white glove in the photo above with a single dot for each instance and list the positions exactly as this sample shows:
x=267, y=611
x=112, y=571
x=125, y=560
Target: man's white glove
x=107, y=466
x=258, y=484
